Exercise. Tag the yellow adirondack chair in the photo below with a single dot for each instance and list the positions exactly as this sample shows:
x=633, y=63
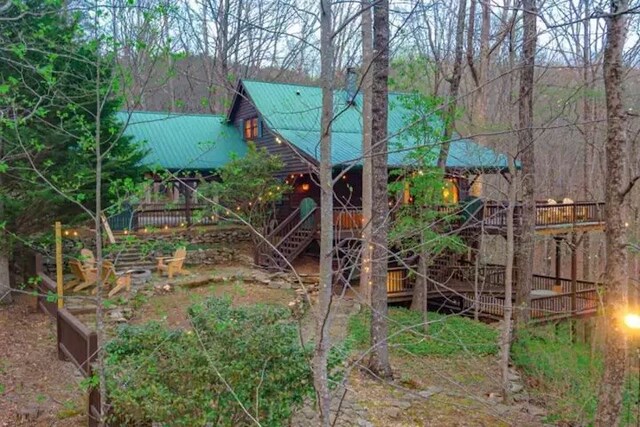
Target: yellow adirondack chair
x=89, y=261
x=111, y=279
x=173, y=265
x=84, y=277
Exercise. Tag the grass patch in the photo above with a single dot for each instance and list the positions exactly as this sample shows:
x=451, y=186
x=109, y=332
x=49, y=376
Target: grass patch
x=447, y=335
x=566, y=375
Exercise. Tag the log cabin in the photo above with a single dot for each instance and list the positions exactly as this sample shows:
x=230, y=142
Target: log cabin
x=284, y=119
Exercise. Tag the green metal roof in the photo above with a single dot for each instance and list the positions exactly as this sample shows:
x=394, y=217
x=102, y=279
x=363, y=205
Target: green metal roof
x=294, y=111
x=184, y=141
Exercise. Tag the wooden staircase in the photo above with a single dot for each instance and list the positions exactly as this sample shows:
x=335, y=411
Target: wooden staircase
x=284, y=244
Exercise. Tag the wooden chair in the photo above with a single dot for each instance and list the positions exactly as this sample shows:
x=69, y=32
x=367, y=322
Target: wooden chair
x=87, y=258
x=173, y=265
x=84, y=277
x=113, y=280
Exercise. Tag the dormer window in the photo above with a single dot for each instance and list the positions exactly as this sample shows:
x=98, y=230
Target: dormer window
x=251, y=130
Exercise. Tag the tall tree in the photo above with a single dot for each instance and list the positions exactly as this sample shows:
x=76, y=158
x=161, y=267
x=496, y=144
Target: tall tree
x=615, y=296
x=454, y=84
x=525, y=251
x=379, y=360
x=323, y=312
x=367, y=56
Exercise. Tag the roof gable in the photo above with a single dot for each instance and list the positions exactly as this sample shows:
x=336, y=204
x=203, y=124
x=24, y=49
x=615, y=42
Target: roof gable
x=294, y=112
x=184, y=141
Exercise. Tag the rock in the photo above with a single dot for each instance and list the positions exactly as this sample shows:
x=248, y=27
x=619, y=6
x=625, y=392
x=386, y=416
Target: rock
x=430, y=391
x=393, y=412
x=536, y=411
x=285, y=285
x=515, y=388
x=514, y=375
x=278, y=284
x=117, y=316
x=501, y=409
x=402, y=404
x=494, y=398
x=363, y=423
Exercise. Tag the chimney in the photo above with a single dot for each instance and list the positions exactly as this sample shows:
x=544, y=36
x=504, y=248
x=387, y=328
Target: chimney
x=351, y=86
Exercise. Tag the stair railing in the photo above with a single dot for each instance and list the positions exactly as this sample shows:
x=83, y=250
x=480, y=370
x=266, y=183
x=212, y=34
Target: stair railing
x=310, y=221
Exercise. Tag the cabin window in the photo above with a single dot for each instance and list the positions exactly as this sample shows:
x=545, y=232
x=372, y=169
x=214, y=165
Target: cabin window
x=251, y=128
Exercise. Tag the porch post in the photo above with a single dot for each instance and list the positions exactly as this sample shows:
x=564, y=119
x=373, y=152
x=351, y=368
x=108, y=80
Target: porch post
x=574, y=273
x=558, y=241
x=187, y=201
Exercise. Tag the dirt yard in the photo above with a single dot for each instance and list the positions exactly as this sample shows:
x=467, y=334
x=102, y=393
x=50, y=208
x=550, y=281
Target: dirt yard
x=427, y=391
x=33, y=382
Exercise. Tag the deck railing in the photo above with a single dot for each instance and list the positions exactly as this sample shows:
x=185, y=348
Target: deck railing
x=547, y=215
x=348, y=219
x=567, y=298
x=161, y=216
x=398, y=281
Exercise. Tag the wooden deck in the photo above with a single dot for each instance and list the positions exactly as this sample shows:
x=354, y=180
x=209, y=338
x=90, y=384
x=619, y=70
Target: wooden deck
x=454, y=289
x=550, y=218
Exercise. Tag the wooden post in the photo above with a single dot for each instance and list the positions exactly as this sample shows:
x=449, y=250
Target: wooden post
x=187, y=202
x=59, y=264
x=574, y=285
x=558, y=258
x=574, y=273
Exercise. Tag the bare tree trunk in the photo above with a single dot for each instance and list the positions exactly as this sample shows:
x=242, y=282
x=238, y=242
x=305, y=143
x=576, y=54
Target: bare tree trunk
x=420, y=299
x=505, y=337
x=525, y=149
x=454, y=82
x=367, y=55
x=379, y=360
x=5, y=287
x=615, y=296
x=323, y=312
x=100, y=332
x=588, y=130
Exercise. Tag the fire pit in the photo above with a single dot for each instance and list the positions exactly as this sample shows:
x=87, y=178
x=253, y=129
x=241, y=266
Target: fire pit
x=139, y=276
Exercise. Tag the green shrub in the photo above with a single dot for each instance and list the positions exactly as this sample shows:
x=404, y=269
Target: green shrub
x=237, y=363
x=447, y=334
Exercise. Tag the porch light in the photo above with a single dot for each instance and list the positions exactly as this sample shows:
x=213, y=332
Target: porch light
x=305, y=186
